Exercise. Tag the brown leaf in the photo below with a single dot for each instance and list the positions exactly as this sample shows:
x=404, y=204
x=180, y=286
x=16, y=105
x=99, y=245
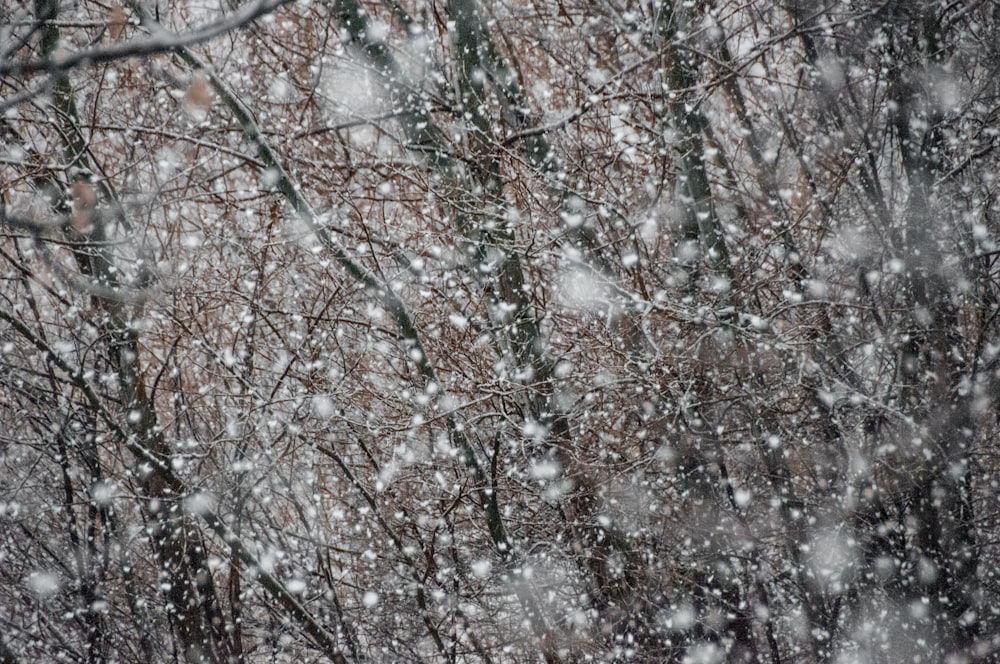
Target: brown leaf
x=198, y=98
x=117, y=20
x=84, y=204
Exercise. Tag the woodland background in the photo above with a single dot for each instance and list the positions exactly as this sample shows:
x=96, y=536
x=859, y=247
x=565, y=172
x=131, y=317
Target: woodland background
x=499, y=331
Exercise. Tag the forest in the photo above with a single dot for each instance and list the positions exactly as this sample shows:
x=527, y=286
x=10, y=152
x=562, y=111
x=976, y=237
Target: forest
x=458, y=331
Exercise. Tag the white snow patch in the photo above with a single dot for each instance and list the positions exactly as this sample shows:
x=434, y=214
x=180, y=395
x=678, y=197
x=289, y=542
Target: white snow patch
x=199, y=502
x=704, y=653
x=44, y=584
x=544, y=469
x=323, y=406
x=482, y=567
x=103, y=492
x=582, y=289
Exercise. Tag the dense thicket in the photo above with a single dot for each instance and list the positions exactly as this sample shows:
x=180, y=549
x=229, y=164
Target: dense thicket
x=515, y=331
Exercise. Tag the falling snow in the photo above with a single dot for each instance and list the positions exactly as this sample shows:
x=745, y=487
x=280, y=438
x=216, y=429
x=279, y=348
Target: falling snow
x=499, y=332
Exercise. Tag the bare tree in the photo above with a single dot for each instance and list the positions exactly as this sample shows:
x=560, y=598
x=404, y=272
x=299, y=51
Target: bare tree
x=498, y=332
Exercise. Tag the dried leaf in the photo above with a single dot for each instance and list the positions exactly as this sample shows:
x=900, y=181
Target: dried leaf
x=84, y=204
x=117, y=20
x=198, y=98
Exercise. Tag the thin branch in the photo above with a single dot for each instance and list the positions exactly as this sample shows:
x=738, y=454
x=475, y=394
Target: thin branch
x=161, y=41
